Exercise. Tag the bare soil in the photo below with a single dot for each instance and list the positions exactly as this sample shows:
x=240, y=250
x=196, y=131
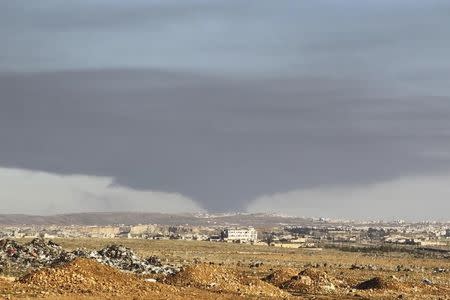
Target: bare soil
x=223, y=271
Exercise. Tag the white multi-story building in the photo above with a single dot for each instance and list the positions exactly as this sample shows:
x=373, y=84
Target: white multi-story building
x=243, y=235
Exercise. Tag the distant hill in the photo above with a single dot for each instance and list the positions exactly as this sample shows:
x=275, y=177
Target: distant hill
x=133, y=218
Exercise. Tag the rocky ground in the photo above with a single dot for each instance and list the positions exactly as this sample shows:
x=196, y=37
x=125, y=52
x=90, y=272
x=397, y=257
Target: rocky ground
x=203, y=270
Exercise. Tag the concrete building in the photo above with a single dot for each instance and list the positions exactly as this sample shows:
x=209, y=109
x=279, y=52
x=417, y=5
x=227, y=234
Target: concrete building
x=243, y=235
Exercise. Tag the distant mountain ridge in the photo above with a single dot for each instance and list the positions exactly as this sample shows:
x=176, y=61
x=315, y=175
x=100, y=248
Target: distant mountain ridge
x=134, y=218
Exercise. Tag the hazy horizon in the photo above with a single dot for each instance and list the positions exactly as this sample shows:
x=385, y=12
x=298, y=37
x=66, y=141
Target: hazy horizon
x=307, y=108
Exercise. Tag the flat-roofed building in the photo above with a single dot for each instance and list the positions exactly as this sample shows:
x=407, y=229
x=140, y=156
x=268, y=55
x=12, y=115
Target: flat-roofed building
x=243, y=235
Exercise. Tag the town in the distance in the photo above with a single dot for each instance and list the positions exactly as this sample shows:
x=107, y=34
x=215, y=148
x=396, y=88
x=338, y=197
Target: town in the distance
x=257, y=229
x=222, y=256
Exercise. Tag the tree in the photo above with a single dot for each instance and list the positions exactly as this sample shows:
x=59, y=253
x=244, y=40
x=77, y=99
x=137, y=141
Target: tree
x=269, y=238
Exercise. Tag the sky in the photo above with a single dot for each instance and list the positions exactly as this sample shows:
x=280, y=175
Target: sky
x=308, y=108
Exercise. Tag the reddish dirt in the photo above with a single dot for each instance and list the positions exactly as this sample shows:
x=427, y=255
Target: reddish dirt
x=230, y=277
x=391, y=283
x=87, y=277
x=280, y=276
x=312, y=280
x=221, y=279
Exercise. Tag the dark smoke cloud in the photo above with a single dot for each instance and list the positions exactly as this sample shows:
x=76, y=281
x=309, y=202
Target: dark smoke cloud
x=226, y=101
x=217, y=140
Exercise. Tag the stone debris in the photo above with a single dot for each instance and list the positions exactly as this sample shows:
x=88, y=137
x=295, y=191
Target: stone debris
x=440, y=270
x=365, y=267
x=17, y=259
x=154, y=260
x=125, y=259
x=256, y=264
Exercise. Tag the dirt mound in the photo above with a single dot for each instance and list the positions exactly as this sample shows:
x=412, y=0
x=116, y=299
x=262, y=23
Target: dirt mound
x=203, y=275
x=221, y=279
x=378, y=283
x=311, y=281
x=280, y=276
x=315, y=274
x=85, y=276
x=4, y=282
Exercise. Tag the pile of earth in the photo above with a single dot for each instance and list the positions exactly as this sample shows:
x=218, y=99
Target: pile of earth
x=4, y=282
x=378, y=283
x=280, y=276
x=87, y=277
x=311, y=280
x=17, y=259
x=221, y=279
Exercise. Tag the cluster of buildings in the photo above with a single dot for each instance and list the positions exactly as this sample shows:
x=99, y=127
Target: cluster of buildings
x=288, y=236
x=422, y=234
x=149, y=231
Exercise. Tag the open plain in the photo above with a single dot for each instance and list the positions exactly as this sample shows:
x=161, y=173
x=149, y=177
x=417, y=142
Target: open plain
x=218, y=270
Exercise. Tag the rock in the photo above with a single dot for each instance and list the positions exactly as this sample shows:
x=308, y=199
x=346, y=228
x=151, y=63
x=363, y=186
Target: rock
x=374, y=283
x=256, y=264
x=439, y=270
x=328, y=288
